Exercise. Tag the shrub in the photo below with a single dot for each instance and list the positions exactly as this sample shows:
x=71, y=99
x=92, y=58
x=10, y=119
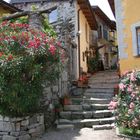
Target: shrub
x=127, y=102
x=28, y=58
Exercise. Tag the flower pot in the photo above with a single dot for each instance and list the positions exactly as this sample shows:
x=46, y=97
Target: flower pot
x=66, y=101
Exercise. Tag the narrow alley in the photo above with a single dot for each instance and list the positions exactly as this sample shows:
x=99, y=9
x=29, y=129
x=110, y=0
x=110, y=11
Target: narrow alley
x=88, y=117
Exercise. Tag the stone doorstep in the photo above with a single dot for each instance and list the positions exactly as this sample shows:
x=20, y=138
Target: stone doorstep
x=90, y=100
x=125, y=136
x=65, y=126
x=88, y=122
x=99, y=106
x=85, y=114
x=107, y=79
x=102, y=90
x=73, y=108
x=102, y=127
x=85, y=107
x=99, y=95
x=102, y=86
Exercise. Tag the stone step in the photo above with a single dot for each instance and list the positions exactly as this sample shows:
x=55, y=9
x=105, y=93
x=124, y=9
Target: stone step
x=79, y=101
x=73, y=107
x=103, y=77
x=85, y=114
x=103, y=127
x=65, y=126
x=100, y=90
x=99, y=106
x=85, y=107
x=100, y=86
x=102, y=113
x=99, y=95
x=103, y=81
x=87, y=122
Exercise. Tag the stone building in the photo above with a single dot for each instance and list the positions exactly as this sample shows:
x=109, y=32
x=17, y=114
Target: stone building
x=106, y=37
x=73, y=21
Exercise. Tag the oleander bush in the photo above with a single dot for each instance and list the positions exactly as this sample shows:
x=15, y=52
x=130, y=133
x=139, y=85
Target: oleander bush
x=28, y=58
x=127, y=102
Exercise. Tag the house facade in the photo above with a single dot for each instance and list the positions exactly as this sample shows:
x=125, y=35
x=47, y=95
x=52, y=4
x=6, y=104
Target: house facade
x=6, y=8
x=128, y=25
x=73, y=20
x=106, y=39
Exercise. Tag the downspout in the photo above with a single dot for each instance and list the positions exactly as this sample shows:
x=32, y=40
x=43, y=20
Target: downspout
x=79, y=41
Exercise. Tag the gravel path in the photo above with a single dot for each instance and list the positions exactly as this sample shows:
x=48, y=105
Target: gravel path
x=81, y=134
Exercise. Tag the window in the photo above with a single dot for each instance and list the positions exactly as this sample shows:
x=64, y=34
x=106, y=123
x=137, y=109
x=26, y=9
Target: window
x=138, y=39
x=135, y=28
x=100, y=32
x=53, y=16
x=105, y=33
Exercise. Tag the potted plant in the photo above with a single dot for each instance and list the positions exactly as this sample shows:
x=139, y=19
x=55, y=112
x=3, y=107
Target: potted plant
x=66, y=100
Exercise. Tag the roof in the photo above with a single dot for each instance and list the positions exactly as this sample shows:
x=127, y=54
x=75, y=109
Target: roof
x=104, y=17
x=9, y=6
x=87, y=10
x=112, y=5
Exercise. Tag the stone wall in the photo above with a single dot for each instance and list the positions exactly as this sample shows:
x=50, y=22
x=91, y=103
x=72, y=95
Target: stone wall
x=24, y=128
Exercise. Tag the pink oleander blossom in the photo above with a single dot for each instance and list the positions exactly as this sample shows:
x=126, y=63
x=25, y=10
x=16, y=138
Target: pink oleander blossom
x=133, y=94
x=132, y=105
x=122, y=86
x=113, y=105
x=130, y=88
x=130, y=111
x=132, y=77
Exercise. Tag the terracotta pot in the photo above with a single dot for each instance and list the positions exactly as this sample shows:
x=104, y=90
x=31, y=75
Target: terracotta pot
x=66, y=101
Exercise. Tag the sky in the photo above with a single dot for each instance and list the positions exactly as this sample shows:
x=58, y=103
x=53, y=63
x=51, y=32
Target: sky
x=103, y=4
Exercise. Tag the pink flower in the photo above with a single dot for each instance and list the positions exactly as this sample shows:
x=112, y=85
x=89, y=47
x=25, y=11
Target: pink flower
x=133, y=94
x=130, y=111
x=132, y=105
x=122, y=86
x=52, y=49
x=113, y=105
x=129, y=88
x=132, y=77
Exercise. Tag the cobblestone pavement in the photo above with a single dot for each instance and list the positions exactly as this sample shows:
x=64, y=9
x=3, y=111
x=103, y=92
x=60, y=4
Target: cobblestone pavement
x=81, y=134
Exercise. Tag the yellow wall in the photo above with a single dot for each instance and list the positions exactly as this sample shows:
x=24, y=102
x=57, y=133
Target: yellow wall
x=84, y=43
x=131, y=14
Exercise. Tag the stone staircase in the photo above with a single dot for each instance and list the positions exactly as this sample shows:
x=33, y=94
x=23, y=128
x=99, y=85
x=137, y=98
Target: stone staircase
x=91, y=108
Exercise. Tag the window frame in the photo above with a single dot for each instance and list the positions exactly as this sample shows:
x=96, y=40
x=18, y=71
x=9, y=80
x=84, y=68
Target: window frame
x=56, y=16
x=134, y=28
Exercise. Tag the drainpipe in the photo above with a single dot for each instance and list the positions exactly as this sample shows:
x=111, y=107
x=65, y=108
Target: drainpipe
x=79, y=40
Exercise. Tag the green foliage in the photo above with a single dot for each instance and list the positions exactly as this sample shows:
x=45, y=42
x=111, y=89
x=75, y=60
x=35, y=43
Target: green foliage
x=129, y=131
x=93, y=63
x=48, y=29
x=28, y=58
